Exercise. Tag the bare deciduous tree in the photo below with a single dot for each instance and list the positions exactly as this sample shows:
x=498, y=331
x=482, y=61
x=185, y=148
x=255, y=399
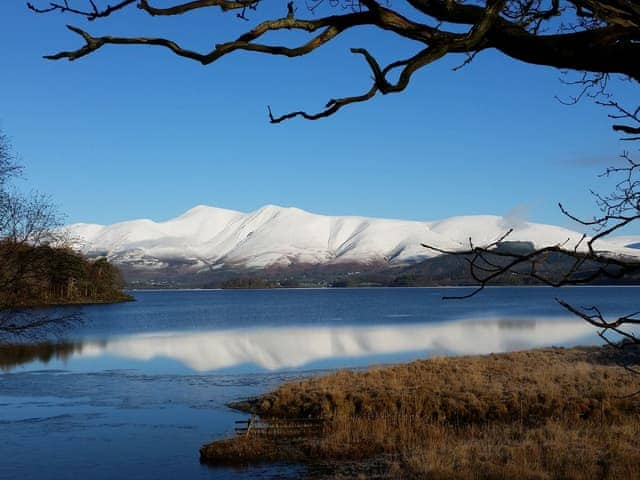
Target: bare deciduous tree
x=26, y=221
x=587, y=263
x=8, y=166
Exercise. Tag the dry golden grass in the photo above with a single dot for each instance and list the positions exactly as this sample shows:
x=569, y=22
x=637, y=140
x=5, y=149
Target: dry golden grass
x=540, y=414
x=554, y=449
x=561, y=383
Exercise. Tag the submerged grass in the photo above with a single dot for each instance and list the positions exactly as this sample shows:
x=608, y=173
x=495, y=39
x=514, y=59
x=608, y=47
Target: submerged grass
x=539, y=414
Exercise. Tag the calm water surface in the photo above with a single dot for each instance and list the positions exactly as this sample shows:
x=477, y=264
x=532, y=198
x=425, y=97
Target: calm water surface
x=136, y=388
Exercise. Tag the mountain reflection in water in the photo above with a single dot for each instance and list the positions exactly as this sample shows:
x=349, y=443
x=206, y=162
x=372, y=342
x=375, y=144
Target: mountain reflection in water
x=294, y=347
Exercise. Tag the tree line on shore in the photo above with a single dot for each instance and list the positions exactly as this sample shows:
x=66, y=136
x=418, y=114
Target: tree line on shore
x=37, y=275
x=37, y=267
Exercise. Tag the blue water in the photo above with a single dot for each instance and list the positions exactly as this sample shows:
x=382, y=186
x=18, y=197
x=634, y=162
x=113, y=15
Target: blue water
x=147, y=382
x=197, y=309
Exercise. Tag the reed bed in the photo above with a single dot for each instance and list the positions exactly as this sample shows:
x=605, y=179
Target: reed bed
x=539, y=414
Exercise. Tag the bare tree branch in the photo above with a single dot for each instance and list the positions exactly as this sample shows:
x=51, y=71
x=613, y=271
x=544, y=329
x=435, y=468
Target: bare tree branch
x=603, y=36
x=91, y=14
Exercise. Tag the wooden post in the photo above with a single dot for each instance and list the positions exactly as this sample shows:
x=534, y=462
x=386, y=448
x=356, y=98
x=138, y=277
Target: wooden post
x=249, y=425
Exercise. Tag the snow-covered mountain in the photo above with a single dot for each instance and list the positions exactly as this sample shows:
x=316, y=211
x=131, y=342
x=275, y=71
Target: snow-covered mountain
x=209, y=238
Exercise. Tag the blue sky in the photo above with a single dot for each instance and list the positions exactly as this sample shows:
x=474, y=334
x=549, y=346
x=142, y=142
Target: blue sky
x=130, y=132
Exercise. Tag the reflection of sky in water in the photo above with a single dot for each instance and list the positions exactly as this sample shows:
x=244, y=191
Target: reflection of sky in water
x=158, y=372
x=277, y=348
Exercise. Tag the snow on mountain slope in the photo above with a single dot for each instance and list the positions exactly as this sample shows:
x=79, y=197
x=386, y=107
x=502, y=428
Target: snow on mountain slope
x=209, y=237
x=629, y=241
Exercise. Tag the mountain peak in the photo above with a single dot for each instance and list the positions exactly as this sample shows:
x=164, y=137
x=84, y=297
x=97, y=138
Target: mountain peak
x=201, y=210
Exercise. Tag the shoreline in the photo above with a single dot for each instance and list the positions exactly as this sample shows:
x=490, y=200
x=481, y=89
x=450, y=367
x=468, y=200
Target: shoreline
x=75, y=303
x=386, y=287
x=454, y=417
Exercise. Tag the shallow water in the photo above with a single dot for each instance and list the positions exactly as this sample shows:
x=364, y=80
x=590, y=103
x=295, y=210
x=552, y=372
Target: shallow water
x=136, y=388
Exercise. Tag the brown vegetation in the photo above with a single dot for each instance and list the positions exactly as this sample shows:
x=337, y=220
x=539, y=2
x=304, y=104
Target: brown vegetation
x=241, y=283
x=43, y=275
x=553, y=413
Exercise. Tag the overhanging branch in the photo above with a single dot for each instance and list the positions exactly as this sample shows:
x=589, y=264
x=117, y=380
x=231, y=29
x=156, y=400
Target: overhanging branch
x=605, y=37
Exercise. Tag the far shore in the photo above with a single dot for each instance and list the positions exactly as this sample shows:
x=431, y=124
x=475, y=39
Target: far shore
x=377, y=287
x=553, y=413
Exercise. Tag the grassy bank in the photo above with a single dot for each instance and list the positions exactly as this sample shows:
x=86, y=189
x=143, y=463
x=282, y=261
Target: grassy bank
x=552, y=413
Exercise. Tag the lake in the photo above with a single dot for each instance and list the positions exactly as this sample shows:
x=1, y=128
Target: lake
x=134, y=389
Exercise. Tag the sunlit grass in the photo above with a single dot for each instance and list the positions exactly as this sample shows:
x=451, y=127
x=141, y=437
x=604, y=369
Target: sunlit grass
x=553, y=413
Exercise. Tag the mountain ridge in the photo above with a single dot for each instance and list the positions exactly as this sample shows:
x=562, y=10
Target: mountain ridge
x=206, y=238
